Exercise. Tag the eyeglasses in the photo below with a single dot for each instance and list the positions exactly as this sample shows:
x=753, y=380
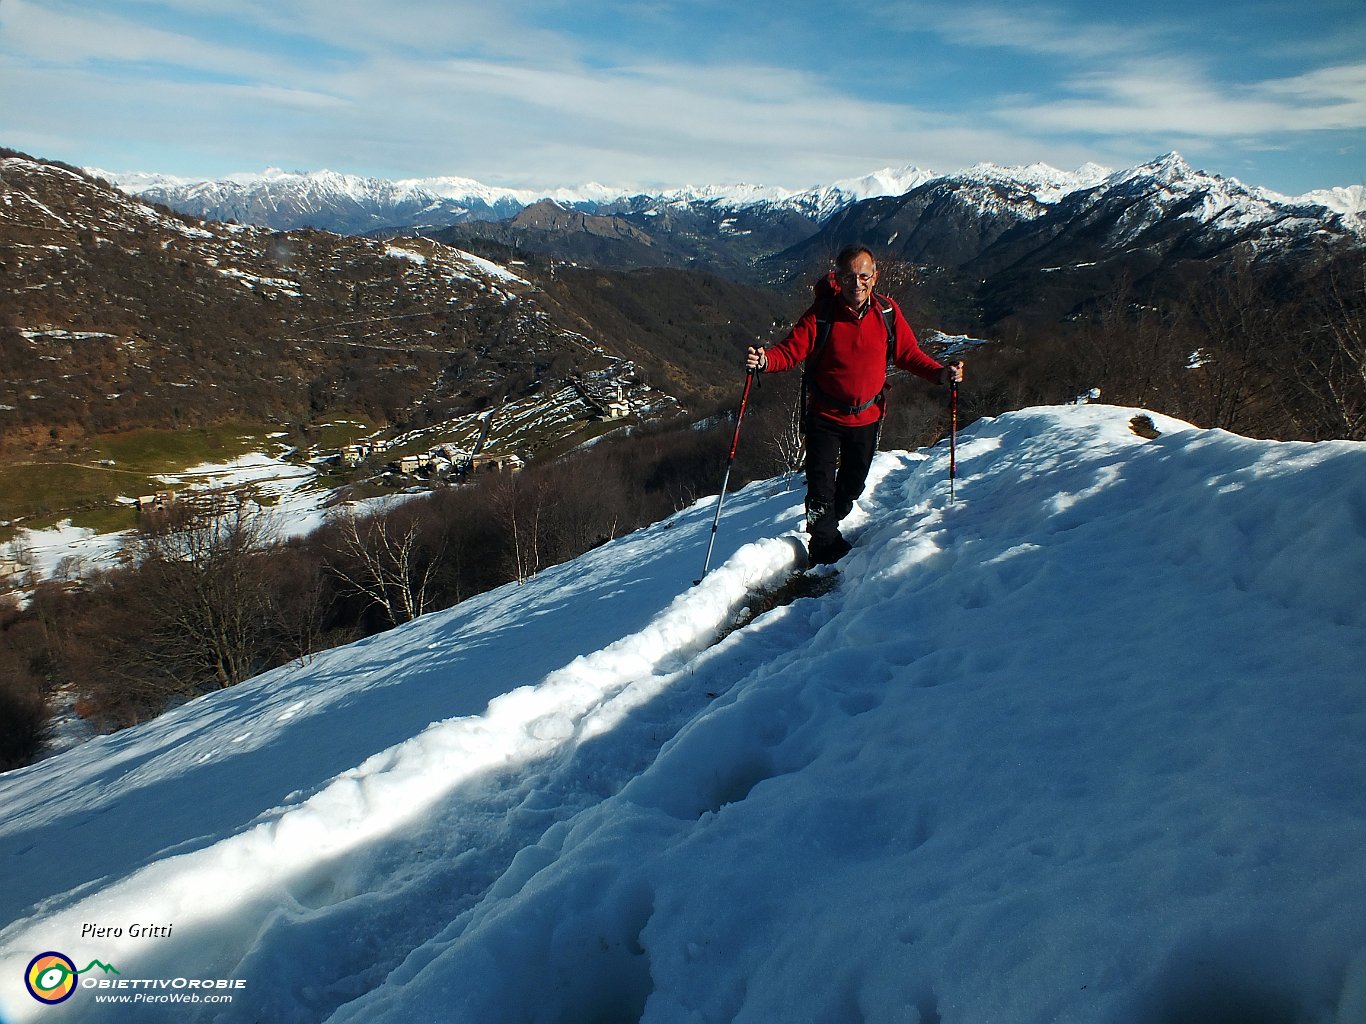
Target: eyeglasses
x=846, y=275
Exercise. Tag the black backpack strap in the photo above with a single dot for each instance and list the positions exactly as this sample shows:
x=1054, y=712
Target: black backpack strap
x=888, y=311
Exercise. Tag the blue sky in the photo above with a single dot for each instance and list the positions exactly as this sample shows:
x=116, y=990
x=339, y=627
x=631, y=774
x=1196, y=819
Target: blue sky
x=658, y=93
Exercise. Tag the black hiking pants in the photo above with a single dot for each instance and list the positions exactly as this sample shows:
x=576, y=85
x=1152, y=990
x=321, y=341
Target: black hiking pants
x=837, y=461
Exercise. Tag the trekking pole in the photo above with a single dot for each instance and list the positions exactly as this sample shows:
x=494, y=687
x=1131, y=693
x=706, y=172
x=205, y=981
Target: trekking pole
x=725, y=480
x=953, y=435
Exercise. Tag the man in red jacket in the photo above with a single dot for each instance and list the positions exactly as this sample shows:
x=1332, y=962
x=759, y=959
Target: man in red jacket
x=846, y=339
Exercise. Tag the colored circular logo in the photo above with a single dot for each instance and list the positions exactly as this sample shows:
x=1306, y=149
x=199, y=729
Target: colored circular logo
x=51, y=977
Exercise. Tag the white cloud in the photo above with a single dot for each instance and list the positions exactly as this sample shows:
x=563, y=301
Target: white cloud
x=1043, y=31
x=418, y=29
x=56, y=35
x=1335, y=97
x=1157, y=80
x=498, y=92
x=1175, y=98
x=625, y=122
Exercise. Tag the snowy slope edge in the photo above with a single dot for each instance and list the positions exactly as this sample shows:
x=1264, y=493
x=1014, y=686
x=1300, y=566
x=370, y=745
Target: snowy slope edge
x=1078, y=747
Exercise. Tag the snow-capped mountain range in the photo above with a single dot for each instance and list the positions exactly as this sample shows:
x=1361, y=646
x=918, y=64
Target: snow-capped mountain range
x=351, y=203
x=347, y=202
x=471, y=195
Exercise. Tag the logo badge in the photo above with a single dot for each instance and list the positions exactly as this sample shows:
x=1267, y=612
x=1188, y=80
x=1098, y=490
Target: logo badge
x=51, y=977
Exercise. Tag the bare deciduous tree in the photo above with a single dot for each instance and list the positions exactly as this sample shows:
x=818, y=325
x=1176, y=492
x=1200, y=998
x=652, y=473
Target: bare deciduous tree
x=787, y=440
x=519, y=503
x=1238, y=329
x=1331, y=378
x=301, y=597
x=24, y=712
x=203, y=595
x=387, y=564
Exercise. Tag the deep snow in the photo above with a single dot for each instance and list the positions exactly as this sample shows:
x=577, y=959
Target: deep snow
x=1083, y=746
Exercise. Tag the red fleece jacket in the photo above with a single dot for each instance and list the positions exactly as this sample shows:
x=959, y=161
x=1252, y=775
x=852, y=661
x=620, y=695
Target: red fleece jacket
x=852, y=367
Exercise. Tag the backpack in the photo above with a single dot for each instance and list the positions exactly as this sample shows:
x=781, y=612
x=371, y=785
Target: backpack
x=826, y=289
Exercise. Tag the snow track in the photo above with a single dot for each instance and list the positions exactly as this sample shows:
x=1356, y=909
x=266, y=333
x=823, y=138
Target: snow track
x=1081, y=747
x=480, y=787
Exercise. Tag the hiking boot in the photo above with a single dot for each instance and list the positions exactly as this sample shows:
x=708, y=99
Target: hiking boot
x=824, y=551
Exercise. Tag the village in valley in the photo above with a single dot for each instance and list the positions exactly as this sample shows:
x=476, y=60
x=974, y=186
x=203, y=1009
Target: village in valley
x=504, y=439
x=303, y=483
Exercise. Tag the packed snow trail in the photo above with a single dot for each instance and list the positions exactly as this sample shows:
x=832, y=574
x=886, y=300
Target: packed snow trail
x=1083, y=746
x=277, y=803
x=497, y=661
x=277, y=739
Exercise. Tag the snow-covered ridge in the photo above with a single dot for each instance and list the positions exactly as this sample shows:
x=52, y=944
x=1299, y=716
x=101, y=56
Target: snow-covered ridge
x=1211, y=198
x=352, y=202
x=1047, y=184
x=1350, y=201
x=1047, y=181
x=1082, y=745
x=274, y=185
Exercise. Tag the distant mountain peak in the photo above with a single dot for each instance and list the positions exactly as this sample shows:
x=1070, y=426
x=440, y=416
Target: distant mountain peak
x=1170, y=165
x=1349, y=201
